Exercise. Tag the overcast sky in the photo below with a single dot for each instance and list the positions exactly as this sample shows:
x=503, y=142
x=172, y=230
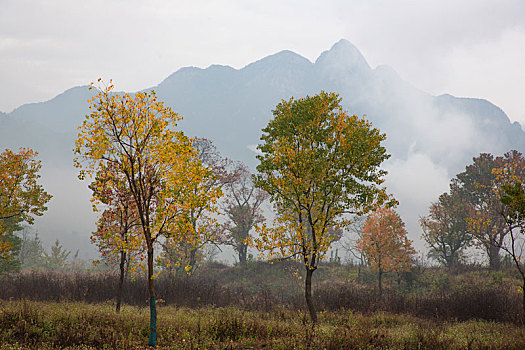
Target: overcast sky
x=473, y=48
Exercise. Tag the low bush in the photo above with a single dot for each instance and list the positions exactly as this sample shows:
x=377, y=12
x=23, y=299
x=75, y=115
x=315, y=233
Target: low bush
x=429, y=293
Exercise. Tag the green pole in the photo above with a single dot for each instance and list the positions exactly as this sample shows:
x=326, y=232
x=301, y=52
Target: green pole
x=152, y=322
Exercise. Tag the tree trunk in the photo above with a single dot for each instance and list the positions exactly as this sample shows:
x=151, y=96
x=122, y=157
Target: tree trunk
x=121, y=280
x=380, y=282
x=494, y=258
x=193, y=260
x=523, y=294
x=152, y=306
x=243, y=250
x=450, y=261
x=308, y=295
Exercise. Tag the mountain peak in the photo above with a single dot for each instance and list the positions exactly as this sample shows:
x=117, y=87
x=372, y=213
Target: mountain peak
x=344, y=44
x=282, y=58
x=344, y=55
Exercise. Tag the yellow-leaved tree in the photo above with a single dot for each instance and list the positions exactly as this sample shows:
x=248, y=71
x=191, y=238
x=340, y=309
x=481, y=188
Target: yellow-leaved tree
x=319, y=165
x=21, y=196
x=183, y=252
x=136, y=134
x=118, y=235
x=385, y=244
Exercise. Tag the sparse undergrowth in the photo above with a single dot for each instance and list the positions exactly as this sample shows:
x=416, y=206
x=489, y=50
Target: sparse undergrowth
x=431, y=293
x=38, y=325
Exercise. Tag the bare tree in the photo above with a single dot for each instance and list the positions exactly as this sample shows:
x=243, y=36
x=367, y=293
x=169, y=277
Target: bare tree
x=242, y=207
x=348, y=242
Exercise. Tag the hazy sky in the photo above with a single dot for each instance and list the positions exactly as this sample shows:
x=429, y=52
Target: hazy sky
x=472, y=48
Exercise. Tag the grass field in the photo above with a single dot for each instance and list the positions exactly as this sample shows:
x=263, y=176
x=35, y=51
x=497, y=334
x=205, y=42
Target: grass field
x=73, y=325
x=262, y=307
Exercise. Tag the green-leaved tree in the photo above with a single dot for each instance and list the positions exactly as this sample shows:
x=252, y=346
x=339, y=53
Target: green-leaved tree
x=319, y=166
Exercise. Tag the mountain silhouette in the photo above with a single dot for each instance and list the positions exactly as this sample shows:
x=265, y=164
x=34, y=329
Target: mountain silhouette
x=434, y=136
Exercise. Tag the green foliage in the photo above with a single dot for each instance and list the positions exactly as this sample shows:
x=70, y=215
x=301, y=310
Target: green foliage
x=33, y=256
x=31, y=251
x=57, y=257
x=317, y=163
x=10, y=262
x=513, y=198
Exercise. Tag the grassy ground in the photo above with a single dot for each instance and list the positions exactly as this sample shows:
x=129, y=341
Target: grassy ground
x=68, y=325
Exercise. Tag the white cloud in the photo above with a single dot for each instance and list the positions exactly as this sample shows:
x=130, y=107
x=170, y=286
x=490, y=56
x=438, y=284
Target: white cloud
x=415, y=182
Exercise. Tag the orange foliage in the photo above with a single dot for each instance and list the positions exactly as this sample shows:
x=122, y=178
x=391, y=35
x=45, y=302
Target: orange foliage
x=384, y=242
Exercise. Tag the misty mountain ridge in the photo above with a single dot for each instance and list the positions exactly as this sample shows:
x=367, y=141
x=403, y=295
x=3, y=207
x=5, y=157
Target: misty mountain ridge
x=431, y=138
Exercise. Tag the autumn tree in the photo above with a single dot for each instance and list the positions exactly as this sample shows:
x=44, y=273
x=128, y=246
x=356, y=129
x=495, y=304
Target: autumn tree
x=136, y=133
x=513, y=200
x=445, y=229
x=242, y=207
x=21, y=196
x=184, y=251
x=508, y=170
x=385, y=244
x=118, y=235
x=486, y=224
x=317, y=163
x=480, y=186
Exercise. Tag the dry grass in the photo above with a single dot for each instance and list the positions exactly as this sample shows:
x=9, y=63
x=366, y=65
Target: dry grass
x=67, y=325
x=432, y=293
